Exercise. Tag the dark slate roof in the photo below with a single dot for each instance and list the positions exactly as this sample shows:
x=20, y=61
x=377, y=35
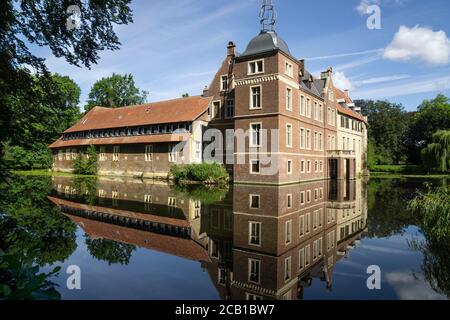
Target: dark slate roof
x=315, y=87
x=266, y=42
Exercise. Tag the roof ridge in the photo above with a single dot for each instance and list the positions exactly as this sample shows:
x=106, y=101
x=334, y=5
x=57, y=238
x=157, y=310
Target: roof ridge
x=150, y=103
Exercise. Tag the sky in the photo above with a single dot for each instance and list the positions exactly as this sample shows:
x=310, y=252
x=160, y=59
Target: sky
x=176, y=46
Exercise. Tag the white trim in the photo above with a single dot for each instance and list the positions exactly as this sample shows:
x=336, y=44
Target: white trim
x=249, y=73
x=250, y=201
x=221, y=82
x=260, y=97
x=251, y=166
x=289, y=145
x=259, y=237
x=219, y=113
x=251, y=144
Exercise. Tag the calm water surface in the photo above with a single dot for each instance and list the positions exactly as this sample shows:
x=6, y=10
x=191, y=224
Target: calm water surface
x=136, y=239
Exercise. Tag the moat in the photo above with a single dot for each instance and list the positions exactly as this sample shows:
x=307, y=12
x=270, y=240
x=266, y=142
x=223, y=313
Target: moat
x=134, y=239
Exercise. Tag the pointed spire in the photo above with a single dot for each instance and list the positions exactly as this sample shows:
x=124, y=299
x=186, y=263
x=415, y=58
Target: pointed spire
x=268, y=16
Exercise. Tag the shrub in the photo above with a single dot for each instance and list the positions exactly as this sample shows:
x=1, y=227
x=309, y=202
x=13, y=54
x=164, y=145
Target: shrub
x=436, y=156
x=86, y=164
x=19, y=158
x=209, y=173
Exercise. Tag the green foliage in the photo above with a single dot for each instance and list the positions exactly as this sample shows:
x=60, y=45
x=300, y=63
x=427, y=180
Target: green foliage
x=436, y=156
x=433, y=208
x=397, y=168
x=208, y=173
x=387, y=128
x=205, y=194
x=18, y=158
x=110, y=251
x=21, y=280
x=114, y=92
x=432, y=115
x=86, y=163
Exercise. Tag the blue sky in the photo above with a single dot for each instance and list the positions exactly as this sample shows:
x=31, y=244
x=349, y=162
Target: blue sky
x=176, y=46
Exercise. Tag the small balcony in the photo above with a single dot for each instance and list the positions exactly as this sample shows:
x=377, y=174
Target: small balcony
x=341, y=153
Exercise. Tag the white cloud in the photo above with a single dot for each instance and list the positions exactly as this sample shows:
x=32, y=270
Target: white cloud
x=349, y=54
x=341, y=81
x=364, y=4
x=412, y=287
x=376, y=80
x=419, y=43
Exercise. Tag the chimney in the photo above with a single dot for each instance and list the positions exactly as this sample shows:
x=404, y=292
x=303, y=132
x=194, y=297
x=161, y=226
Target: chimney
x=231, y=49
x=205, y=91
x=347, y=93
x=301, y=67
x=326, y=74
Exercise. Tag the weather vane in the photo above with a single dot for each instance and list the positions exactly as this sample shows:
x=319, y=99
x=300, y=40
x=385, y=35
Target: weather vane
x=268, y=16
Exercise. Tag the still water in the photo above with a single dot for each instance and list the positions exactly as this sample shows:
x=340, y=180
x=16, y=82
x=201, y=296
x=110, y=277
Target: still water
x=136, y=239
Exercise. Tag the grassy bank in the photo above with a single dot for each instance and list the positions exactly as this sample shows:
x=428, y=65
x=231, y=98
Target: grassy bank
x=48, y=173
x=392, y=171
x=205, y=173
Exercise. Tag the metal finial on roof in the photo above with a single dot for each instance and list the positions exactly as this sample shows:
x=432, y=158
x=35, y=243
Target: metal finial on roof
x=268, y=16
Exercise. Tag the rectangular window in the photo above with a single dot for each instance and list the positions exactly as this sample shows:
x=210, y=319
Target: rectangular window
x=215, y=110
x=255, y=67
x=316, y=140
x=302, y=166
x=60, y=155
x=288, y=232
x=308, y=107
x=198, y=150
x=68, y=154
x=255, y=201
x=255, y=167
x=301, y=259
x=116, y=153
x=251, y=296
x=308, y=139
x=302, y=138
x=255, y=134
x=255, y=97
x=222, y=276
x=302, y=105
x=308, y=196
x=302, y=197
x=229, y=110
x=287, y=269
x=307, y=255
x=321, y=166
x=224, y=83
x=254, y=233
x=308, y=166
x=289, y=167
x=307, y=223
x=301, y=226
x=149, y=153
x=333, y=117
x=316, y=166
x=254, y=270
x=289, y=135
x=289, y=201
x=173, y=155
x=289, y=99
x=316, y=110
x=289, y=69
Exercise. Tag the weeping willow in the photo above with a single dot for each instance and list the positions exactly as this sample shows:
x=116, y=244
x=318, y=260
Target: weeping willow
x=436, y=156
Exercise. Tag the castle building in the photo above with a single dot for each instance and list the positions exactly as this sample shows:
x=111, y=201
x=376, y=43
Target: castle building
x=297, y=127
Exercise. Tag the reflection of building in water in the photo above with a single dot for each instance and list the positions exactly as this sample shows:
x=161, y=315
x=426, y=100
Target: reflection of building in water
x=259, y=242
x=286, y=236
x=130, y=211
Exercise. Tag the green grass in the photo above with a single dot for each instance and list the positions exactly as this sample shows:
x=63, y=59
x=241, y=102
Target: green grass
x=398, y=169
x=209, y=173
x=48, y=173
x=387, y=175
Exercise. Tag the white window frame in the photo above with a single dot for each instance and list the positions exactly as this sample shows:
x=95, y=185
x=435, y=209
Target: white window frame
x=214, y=104
x=252, y=107
x=308, y=139
x=302, y=138
x=289, y=166
x=149, y=153
x=289, y=201
x=308, y=107
x=173, y=156
x=257, y=236
x=251, y=166
x=302, y=105
x=287, y=269
x=251, y=142
x=288, y=69
x=289, y=98
x=288, y=235
x=116, y=153
x=249, y=70
x=222, y=87
x=251, y=196
x=289, y=136
x=250, y=260
x=302, y=166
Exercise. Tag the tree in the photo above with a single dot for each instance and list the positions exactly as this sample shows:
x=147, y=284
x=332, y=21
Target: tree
x=115, y=91
x=43, y=23
x=387, y=128
x=86, y=164
x=436, y=155
x=432, y=115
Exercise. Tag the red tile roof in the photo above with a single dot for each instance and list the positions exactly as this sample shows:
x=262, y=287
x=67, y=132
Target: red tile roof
x=170, y=111
x=158, y=138
x=339, y=94
x=184, y=248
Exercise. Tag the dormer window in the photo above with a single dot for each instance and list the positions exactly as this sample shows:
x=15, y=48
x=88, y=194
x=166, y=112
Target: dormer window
x=256, y=67
x=224, y=83
x=289, y=69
